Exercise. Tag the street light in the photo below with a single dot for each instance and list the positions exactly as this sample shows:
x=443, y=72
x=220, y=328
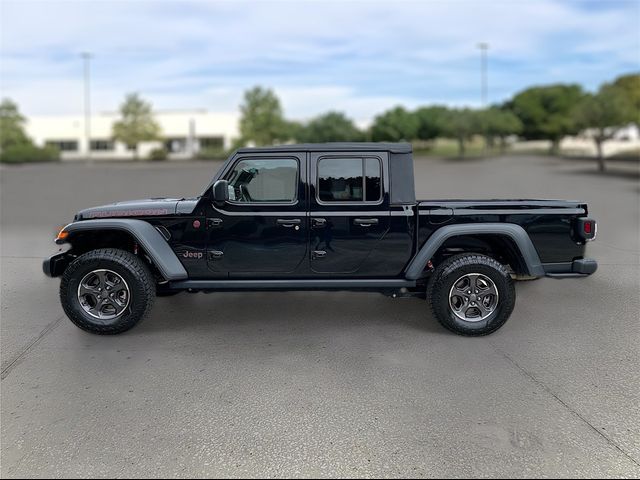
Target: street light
x=86, y=57
x=484, y=47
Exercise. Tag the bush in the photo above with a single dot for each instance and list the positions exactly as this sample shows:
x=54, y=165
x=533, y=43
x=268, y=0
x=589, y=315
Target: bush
x=28, y=153
x=212, y=154
x=158, y=154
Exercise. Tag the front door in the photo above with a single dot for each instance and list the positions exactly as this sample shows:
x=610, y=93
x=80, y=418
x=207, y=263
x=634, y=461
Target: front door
x=349, y=210
x=262, y=231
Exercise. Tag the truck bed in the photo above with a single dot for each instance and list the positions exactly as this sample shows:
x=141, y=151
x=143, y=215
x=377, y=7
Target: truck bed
x=550, y=223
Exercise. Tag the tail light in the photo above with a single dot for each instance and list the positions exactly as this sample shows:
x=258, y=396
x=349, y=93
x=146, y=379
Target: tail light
x=587, y=229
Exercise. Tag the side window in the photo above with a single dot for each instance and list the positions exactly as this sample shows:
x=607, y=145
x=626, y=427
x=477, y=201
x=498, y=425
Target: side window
x=372, y=183
x=264, y=180
x=349, y=180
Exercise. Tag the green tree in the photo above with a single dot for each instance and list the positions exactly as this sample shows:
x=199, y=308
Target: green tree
x=629, y=85
x=11, y=126
x=546, y=112
x=394, y=125
x=461, y=125
x=497, y=123
x=261, y=120
x=137, y=123
x=330, y=127
x=294, y=130
x=603, y=114
x=430, y=122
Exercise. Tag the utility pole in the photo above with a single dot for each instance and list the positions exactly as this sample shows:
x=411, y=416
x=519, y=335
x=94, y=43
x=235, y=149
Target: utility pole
x=86, y=57
x=484, y=47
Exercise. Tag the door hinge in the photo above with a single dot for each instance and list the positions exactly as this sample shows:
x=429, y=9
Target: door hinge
x=215, y=255
x=214, y=222
x=319, y=222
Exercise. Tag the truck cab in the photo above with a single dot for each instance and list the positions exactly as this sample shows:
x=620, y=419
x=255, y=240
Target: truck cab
x=308, y=211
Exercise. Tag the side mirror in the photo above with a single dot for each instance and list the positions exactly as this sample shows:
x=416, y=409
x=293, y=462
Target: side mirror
x=220, y=192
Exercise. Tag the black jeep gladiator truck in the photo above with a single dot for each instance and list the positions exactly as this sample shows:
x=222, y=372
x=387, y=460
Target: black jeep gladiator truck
x=337, y=216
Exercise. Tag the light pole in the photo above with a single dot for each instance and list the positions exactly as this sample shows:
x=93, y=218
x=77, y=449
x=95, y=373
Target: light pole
x=86, y=57
x=484, y=47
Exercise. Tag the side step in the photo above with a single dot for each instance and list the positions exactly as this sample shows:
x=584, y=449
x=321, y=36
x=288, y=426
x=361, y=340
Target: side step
x=321, y=284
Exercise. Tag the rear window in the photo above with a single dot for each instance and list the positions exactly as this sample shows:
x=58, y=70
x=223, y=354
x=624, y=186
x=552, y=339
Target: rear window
x=354, y=179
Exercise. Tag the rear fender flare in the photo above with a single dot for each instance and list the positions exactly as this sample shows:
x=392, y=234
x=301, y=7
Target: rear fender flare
x=514, y=232
x=152, y=242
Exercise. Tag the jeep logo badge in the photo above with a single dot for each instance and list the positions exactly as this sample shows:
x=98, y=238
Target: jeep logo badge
x=188, y=254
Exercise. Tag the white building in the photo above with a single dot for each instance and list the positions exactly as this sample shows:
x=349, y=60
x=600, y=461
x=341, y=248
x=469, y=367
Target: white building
x=183, y=134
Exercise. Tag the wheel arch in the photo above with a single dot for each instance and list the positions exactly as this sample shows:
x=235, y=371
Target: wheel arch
x=99, y=233
x=518, y=247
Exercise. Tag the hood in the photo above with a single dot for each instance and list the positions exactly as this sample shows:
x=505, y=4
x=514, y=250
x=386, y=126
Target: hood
x=133, y=208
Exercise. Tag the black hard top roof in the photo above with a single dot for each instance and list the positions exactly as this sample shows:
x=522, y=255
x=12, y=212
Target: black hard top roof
x=333, y=147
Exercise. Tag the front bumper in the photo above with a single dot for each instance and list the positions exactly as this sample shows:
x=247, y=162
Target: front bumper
x=55, y=265
x=582, y=267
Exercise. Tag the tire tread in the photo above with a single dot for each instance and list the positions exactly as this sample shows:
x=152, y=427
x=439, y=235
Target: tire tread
x=126, y=260
x=435, y=286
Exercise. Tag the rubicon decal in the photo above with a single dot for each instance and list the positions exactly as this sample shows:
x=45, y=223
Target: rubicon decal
x=139, y=212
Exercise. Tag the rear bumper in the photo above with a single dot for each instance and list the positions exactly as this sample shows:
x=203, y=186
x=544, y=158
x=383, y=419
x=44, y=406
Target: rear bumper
x=56, y=264
x=578, y=268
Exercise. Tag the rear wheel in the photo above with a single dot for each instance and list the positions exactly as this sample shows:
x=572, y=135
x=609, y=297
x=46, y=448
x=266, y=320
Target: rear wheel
x=471, y=294
x=107, y=291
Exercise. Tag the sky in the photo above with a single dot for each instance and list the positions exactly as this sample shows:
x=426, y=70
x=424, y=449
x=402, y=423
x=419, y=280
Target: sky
x=357, y=57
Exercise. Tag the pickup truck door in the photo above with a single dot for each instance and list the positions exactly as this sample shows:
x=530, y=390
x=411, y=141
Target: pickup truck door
x=263, y=230
x=349, y=210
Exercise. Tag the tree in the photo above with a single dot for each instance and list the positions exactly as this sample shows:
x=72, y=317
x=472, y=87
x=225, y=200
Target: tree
x=330, y=127
x=394, y=125
x=495, y=123
x=546, y=112
x=137, y=123
x=629, y=85
x=261, y=120
x=604, y=114
x=460, y=124
x=294, y=130
x=430, y=122
x=11, y=126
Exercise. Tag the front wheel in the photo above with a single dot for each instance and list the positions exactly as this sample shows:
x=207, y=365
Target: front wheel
x=471, y=294
x=107, y=291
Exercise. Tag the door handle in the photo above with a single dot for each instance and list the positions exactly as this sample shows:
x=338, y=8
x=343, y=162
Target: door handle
x=288, y=222
x=318, y=254
x=365, y=222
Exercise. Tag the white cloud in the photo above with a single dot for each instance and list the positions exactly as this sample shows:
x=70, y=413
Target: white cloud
x=356, y=57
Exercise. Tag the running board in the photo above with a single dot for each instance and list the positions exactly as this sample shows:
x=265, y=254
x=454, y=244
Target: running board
x=375, y=284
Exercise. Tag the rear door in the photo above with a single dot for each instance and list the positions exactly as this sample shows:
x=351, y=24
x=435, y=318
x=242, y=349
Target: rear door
x=349, y=210
x=263, y=230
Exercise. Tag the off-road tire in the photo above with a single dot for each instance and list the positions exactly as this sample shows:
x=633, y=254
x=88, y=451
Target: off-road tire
x=448, y=272
x=139, y=280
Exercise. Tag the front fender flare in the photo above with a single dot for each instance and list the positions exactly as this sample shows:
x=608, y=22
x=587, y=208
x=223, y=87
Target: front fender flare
x=152, y=242
x=514, y=232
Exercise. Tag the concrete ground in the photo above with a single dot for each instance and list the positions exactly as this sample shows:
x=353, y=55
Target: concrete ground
x=323, y=384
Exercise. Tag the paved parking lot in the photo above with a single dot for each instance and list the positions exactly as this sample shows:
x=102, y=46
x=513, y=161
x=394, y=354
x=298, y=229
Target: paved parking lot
x=322, y=384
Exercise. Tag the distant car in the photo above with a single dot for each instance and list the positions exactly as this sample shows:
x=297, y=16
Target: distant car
x=337, y=216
